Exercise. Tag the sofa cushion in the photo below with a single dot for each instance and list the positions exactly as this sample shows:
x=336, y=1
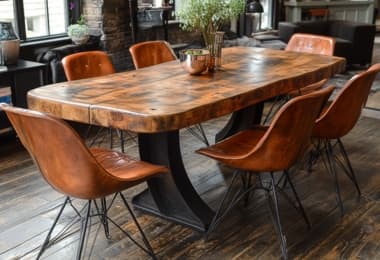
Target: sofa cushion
x=314, y=27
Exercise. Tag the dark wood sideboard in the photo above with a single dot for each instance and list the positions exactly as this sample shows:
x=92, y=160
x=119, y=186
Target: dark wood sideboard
x=21, y=77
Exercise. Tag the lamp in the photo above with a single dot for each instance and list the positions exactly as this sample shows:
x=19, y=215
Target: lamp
x=255, y=7
x=9, y=44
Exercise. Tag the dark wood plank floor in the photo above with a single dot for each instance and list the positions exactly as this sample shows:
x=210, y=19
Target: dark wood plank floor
x=28, y=206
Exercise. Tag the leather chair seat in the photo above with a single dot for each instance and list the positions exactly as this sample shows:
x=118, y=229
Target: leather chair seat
x=124, y=167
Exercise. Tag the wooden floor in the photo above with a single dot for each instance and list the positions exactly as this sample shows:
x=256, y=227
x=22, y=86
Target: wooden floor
x=28, y=206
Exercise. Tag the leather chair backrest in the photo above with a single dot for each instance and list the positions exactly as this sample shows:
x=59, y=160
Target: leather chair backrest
x=287, y=135
x=310, y=43
x=62, y=157
x=150, y=53
x=343, y=113
x=87, y=64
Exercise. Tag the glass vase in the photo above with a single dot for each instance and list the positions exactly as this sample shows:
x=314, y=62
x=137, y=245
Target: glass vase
x=215, y=45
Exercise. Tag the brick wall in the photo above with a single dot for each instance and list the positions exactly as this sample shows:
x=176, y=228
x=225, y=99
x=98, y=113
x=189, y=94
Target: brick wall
x=110, y=19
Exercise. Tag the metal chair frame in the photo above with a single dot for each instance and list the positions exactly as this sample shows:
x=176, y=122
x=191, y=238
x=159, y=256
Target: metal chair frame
x=230, y=200
x=98, y=135
x=331, y=158
x=101, y=212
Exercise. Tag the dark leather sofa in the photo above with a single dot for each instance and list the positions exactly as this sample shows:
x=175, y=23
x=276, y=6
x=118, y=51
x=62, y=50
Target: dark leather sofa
x=53, y=57
x=354, y=41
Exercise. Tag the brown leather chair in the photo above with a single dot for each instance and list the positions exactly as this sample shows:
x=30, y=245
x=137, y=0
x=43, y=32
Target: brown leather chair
x=268, y=149
x=76, y=171
x=91, y=64
x=311, y=43
x=304, y=43
x=149, y=53
x=87, y=64
x=338, y=119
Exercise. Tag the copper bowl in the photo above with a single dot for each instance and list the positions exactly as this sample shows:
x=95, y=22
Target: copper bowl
x=194, y=61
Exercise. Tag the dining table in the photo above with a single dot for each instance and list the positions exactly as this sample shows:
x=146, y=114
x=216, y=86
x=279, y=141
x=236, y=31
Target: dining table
x=157, y=101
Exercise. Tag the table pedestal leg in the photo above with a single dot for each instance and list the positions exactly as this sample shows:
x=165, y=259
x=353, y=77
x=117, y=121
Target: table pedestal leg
x=171, y=196
x=240, y=120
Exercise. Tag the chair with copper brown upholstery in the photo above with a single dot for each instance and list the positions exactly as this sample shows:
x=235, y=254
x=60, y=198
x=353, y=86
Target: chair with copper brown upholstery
x=149, y=53
x=78, y=172
x=304, y=43
x=89, y=64
x=311, y=43
x=337, y=120
x=273, y=148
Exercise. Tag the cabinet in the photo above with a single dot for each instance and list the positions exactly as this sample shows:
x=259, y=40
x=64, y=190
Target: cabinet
x=356, y=11
x=22, y=77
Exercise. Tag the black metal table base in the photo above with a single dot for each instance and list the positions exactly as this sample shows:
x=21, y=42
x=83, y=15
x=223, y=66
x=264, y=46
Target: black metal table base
x=172, y=196
x=240, y=120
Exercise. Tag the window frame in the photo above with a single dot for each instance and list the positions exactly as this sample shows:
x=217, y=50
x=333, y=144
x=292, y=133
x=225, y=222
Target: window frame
x=19, y=20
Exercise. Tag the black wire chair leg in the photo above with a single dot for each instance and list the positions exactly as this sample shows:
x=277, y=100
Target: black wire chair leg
x=102, y=214
x=300, y=206
x=272, y=111
x=47, y=239
x=277, y=219
x=96, y=136
x=352, y=173
x=201, y=135
x=314, y=155
x=145, y=240
x=110, y=132
x=332, y=170
x=247, y=187
x=104, y=217
x=285, y=182
x=83, y=229
x=205, y=140
x=121, y=140
x=216, y=218
x=88, y=131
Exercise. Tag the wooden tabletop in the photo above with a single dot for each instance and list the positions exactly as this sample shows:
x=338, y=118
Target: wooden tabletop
x=164, y=97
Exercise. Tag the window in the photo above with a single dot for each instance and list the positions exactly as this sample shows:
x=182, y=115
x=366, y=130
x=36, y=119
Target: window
x=36, y=19
x=266, y=21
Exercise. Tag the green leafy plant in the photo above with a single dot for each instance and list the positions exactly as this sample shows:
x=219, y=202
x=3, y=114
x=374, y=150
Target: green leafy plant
x=78, y=32
x=207, y=16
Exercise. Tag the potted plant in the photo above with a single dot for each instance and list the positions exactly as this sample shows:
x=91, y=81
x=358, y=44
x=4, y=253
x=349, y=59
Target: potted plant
x=208, y=16
x=79, y=32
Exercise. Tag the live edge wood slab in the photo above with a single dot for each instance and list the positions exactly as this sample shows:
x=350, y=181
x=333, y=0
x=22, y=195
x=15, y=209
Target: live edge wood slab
x=158, y=101
x=164, y=97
